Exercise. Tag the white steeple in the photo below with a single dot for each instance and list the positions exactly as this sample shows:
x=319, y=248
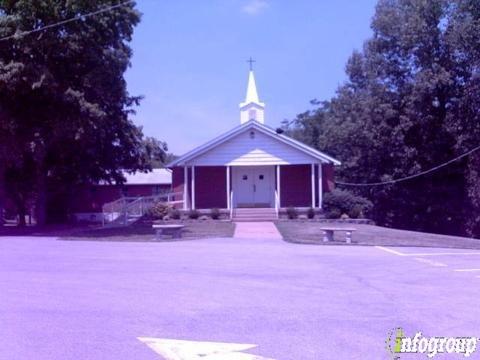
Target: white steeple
x=251, y=108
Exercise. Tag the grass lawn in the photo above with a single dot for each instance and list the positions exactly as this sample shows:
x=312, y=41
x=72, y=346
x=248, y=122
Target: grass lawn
x=144, y=232
x=304, y=232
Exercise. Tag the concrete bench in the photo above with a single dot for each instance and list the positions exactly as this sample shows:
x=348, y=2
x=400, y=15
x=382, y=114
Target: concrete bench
x=171, y=229
x=328, y=233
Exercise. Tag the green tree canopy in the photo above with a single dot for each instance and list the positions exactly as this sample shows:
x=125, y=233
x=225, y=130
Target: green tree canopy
x=411, y=102
x=64, y=105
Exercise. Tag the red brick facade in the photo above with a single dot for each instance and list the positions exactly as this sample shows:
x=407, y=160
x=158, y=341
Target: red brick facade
x=295, y=183
x=328, y=181
x=211, y=187
x=295, y=186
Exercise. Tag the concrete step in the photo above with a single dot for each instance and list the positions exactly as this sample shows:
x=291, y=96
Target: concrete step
x=254, y=209
x=254, y=214
x=254, y=220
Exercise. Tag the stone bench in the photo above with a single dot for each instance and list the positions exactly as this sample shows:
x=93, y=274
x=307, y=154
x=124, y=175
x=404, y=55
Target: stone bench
x=171, y=229
x=328, y=233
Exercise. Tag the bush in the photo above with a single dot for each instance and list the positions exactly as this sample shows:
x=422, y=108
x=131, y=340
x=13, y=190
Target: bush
x=193, y=214
x=175, y=214
x=333, y=214
x=215, y=214
x=292, y=213
x=344, y=202
x=311, y=213
x=158, y=211
x=355, y=212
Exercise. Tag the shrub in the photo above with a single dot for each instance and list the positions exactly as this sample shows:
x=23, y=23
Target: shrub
x=311, y=213
x=333, y=214
x=355, y=212
x=292, y=213
x=193, y=214
x=158, y=211
x=175, y=214
x=215, y=214
x=344, y=202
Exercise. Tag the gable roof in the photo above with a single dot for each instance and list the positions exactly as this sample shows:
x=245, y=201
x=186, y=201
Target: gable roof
x=154, y=177
x=252, y=124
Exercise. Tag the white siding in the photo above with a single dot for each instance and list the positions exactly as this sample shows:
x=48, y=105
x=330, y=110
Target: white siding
x=245, y=113
x=242, y=150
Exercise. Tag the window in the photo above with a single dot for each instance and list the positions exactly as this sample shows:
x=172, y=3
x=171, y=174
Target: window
x=252, y=114
x=260, y=177
x=245, y=177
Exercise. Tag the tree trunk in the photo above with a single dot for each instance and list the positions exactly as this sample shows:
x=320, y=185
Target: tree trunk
x=473, y=191
x=2, y=196
x=22, y=212
x=41, y=200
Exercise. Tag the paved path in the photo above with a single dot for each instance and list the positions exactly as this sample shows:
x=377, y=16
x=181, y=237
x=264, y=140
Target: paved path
x=255, y=230
x=70, y=300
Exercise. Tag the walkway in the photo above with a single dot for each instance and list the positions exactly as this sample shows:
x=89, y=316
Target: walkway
x=255, y=230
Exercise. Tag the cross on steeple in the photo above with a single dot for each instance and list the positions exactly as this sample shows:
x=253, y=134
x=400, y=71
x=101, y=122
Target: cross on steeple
x=252, y=108
x=251, y=61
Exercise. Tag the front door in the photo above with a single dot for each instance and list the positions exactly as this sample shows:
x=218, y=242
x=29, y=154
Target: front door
x=253, y=186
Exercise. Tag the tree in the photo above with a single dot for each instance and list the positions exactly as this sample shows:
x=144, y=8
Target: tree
x=64, y=96
x=410, y=103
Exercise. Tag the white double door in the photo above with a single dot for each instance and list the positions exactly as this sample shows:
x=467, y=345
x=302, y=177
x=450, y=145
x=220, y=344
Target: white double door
x=253, y=186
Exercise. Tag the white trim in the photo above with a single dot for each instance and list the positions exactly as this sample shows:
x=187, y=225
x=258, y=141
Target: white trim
x=320, y=186
x=312, y=167
x=185, y=188
x=262, y=128
x=278, y=187
x=193, y=187
x=228, y=187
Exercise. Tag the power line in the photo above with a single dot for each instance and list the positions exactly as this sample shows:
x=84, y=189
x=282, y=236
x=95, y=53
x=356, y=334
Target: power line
x=411, y=176
x=75, y=18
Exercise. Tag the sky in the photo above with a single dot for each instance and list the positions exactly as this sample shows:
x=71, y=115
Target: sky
x=190, y=61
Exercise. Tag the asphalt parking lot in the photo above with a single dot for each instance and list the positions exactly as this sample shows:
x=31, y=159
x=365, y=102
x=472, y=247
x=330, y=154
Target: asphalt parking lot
x=94, y=300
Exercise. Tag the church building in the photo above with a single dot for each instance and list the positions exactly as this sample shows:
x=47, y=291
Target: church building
x=253, y=166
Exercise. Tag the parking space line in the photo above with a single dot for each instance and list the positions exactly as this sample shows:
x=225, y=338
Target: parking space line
x=431, y=262
x=398, y=253
x=443, y=254
x=466, y=270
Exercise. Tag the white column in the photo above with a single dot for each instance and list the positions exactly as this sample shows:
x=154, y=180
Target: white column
x=313, y=185
x=185, y=188
x=193, y=187
x=320, y=186
x=278, y=186
x=228, y=188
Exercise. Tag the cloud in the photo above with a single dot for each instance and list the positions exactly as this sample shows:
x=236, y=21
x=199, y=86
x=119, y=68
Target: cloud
x=255, y=7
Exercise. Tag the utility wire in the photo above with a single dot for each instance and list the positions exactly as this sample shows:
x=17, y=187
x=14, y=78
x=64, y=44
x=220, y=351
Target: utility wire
x=288, y=123
x=76, y=18
x=411, y=176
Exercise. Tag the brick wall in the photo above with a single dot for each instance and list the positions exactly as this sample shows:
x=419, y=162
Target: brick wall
x=210, y=187
x=295, y=186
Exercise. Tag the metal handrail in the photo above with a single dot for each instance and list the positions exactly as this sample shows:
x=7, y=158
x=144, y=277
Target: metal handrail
x=135, y=206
